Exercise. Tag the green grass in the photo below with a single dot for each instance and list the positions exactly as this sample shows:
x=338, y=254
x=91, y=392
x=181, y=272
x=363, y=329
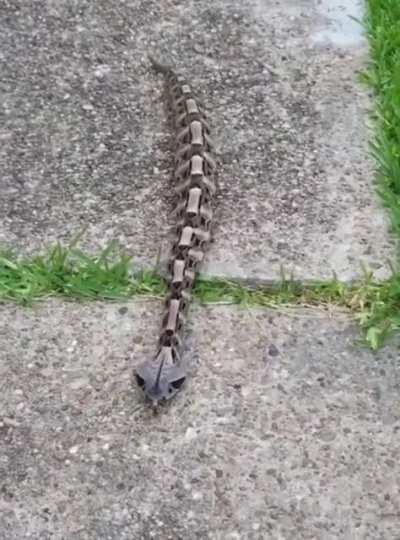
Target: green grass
x=69, y=273
x=382, y=25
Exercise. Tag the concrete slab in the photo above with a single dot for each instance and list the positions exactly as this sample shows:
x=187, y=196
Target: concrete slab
x=287, y=429
x=83, y=132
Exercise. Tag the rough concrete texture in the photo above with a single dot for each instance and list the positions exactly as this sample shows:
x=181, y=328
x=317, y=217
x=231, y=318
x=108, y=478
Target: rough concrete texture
x=286, y=429
x=84, y=137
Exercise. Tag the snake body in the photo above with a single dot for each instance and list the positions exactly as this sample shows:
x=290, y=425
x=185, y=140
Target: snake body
x=194, y=174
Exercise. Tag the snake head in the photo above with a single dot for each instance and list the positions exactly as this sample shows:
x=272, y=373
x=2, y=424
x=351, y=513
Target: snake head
x=161, y=378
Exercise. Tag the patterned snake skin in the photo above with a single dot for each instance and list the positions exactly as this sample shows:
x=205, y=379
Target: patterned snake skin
x=194, y=172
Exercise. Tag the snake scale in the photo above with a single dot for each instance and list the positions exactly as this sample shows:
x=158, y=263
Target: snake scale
x=163, y=376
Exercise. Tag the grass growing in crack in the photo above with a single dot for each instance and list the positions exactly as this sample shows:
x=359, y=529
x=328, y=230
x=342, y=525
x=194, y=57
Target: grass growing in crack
x=69, y=273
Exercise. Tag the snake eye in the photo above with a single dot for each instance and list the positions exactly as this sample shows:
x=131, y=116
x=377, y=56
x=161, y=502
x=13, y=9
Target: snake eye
x=178, y=383
x=140, y=381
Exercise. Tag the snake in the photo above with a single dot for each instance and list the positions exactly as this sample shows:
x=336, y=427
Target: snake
x=194, y=170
